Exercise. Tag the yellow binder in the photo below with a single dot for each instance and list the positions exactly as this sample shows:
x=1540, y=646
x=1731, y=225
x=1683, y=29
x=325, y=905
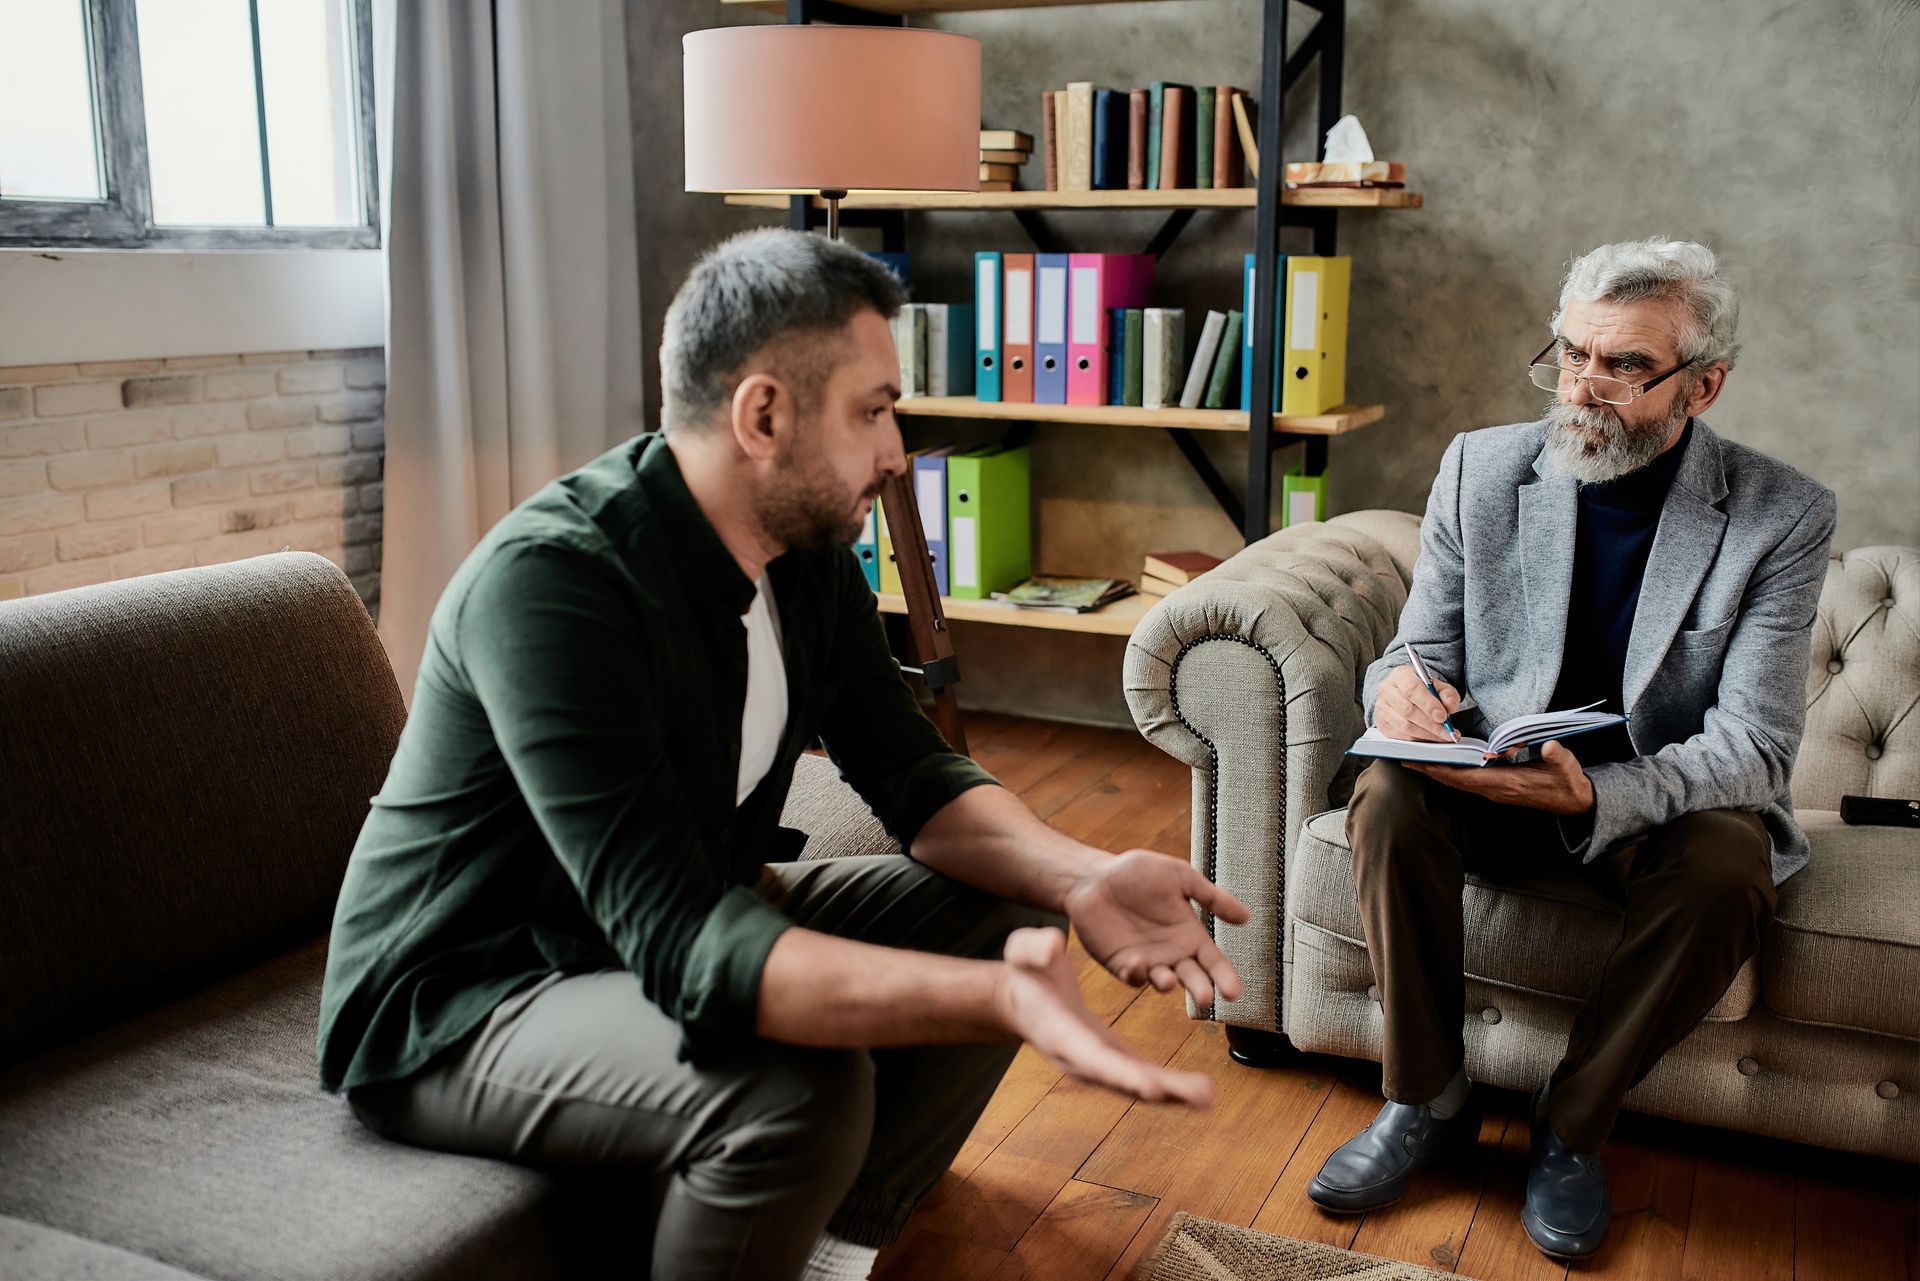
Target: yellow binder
x=889, y=567
x=1314, y=377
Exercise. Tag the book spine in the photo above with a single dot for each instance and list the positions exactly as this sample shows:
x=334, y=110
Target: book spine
x=1203, y=136
x=913, y=350
x=1161, y=355
x=1050, y=141
x=1136, y=322
x=1137, y=140
x=1103, y=178
x=1226, y=363
x=1079, y=137
x=1202, y=366
x=1226, y=166
x=1173, y=118
x=1243, y=122
x=1116, y=356
x=937, y=344
x=1156, y=114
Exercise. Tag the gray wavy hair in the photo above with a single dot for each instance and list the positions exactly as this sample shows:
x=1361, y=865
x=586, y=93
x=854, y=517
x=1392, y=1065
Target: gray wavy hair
x=786, y=290
x=1657, y=268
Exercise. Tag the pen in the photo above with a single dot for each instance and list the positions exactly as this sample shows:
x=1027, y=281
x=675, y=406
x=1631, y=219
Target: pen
x=1420, y=670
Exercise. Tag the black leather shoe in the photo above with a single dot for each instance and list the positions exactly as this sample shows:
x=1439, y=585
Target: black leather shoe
x=1567, y=1208
x=1371, y=1169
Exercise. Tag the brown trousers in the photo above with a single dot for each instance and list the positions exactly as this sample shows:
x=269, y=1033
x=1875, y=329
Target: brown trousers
x=1696, y=893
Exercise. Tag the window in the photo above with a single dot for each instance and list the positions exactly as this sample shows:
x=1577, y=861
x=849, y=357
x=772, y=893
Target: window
x=187, y=124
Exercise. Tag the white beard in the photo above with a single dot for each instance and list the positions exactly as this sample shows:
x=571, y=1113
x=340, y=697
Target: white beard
x=1593, y=444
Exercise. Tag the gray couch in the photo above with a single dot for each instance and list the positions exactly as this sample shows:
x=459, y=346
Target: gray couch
x=1252, y=677
x=185, y=760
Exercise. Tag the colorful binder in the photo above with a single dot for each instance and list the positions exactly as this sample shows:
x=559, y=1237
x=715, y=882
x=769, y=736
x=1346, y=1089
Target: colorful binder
x=1316, y=335
x=989, y=521
x=950, y=339
x=1050, y=329
x=868, y=548
x=1246, y=333
x=1303, y=498
x=930, y=492
x=889, y=568
x=986, y=313
x=1099, y=282
x=1016, y=378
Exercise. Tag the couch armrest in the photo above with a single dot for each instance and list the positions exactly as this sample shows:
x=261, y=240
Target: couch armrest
x=1252, y=676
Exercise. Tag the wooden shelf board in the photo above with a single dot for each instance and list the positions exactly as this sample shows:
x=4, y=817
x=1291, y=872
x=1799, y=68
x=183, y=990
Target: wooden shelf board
x=924, y=6
x=1337, y=421
x=1117, y=619
x=1185, y=198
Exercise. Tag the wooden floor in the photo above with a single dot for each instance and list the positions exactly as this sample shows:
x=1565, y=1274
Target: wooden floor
x=1061, y=1182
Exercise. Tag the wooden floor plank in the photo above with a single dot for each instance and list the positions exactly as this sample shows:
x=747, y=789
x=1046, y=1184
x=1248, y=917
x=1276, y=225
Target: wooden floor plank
x=1652, y=1191
x=1741, y=1224
x=1086, y=758
x=1027, y=1169
x=1847, y=1234
x=1287, y=1212
x=928, y=1256
x=1497, y=1246
x=1429, y=1225
x=1078, y=1236
x=1221, y=1163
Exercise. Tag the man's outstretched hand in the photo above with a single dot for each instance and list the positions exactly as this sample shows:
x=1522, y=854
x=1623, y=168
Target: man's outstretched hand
x=1039, y=1000
x=1134, y=913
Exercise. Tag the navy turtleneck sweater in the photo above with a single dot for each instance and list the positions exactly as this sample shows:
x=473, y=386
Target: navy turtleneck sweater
x=1614, y=534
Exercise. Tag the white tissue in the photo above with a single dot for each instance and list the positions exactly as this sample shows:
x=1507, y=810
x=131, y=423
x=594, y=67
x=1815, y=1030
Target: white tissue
x=1347, y=141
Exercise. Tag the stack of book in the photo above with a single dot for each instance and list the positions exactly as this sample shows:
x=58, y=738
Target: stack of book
x=1002, y=152
x=934, y=341
x=1165, y=137
x=1167, y=572
x=1055, y=595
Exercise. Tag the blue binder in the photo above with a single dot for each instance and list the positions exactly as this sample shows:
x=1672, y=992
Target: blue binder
x=868, y=548
x=986, y=314
x=1246, y=330
x=930, y=493
x=898, y=264
x=1049, y=329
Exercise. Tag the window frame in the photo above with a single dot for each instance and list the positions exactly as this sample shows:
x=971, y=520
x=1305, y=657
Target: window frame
x=124, y=218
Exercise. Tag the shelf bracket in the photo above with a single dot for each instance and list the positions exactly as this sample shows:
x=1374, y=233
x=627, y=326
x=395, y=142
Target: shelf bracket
x=1037, y=231
x=1169, y=232
x=1209, y=475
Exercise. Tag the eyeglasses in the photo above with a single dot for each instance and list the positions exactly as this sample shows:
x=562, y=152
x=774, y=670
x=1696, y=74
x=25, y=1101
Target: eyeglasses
x=1611, y=391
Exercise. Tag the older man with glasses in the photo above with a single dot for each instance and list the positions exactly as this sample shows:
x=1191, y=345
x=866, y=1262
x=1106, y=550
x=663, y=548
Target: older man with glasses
x=1616, y=552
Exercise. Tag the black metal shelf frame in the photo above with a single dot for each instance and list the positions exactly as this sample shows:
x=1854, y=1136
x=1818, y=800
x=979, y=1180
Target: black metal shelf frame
x=1324, y=46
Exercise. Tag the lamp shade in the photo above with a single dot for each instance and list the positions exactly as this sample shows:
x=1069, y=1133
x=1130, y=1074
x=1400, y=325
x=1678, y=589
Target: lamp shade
x=805, y=108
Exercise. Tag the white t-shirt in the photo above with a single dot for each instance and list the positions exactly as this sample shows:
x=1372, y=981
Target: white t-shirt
x=763, y=721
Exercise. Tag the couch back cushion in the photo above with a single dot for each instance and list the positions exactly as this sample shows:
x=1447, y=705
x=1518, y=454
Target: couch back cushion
x=1863, y=682
x=185, y=761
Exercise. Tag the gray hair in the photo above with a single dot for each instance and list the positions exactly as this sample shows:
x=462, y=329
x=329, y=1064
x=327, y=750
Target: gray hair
x=1656, y=268
x=788, y=290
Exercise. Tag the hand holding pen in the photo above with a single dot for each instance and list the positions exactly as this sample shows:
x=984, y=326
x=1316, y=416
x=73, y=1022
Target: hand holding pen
x=1413, y=707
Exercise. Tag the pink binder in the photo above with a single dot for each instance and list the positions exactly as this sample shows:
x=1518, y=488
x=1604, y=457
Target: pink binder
x=1096, y=283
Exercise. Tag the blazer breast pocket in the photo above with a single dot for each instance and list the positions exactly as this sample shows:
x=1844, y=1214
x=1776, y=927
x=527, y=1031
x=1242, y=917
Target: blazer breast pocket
x=1709, y=639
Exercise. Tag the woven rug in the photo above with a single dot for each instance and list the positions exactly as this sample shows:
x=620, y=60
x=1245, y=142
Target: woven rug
x=1197, y=1249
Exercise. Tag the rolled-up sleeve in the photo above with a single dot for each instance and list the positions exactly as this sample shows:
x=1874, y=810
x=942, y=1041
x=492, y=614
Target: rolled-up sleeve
x=874, y=730
x=557, y=657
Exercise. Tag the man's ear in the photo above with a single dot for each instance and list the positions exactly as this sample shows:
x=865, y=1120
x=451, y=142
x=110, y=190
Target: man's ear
x=762, y=415
x=1707, y=390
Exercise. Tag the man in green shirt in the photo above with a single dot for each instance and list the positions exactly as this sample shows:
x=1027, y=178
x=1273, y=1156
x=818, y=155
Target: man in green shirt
x=570, y=932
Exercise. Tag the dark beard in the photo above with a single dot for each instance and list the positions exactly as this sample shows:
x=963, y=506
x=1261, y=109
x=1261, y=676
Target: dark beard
x=1621, y=449
x=809, y=511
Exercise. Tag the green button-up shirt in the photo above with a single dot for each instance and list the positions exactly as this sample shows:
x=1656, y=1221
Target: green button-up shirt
x=563, y=794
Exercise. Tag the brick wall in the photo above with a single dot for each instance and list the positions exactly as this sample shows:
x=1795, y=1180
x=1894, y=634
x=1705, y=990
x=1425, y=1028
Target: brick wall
x=108, y=470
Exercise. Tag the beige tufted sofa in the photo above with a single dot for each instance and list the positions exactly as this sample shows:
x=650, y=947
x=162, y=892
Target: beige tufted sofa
x=1252, y=676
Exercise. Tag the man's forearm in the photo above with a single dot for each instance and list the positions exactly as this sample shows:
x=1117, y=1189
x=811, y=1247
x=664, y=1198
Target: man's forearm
x=987, y=838
x=816, y=989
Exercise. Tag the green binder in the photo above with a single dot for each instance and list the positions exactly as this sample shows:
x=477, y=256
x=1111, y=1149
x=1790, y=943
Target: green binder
x=989, y=521
x=1302, y=497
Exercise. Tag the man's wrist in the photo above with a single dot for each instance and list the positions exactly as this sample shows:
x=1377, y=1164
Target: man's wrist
x=1074, y=864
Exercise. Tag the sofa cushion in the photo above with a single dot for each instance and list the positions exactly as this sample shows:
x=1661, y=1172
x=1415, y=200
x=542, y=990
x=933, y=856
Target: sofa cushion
x=1844, y=947
x=837, y=822
x=1548, y=934
x=197, y=1136
x=30, y=1251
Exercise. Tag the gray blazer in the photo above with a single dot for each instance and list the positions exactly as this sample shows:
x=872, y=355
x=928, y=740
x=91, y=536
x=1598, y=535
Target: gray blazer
x=1716, y=665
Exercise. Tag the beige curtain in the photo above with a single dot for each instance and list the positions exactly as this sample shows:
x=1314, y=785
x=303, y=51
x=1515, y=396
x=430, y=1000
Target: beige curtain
x=513, y=308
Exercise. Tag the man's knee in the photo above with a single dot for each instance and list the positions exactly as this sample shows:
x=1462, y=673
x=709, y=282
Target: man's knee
x=797, y=1110
x=1392, y=807
x=1721, y=864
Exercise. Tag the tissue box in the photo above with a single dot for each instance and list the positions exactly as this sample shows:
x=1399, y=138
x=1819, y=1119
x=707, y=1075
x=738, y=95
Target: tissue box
x=1346, y=173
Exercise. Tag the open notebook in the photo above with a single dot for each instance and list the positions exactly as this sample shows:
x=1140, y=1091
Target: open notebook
x=1521, y=731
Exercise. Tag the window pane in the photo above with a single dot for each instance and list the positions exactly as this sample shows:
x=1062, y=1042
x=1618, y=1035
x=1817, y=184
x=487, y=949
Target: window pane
x=203, y=132
x=306, y=57
x=47, y=147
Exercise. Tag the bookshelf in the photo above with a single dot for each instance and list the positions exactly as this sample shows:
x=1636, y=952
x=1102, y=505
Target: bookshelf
x=1335, y=422
x=1117, y=619
x=1058, y=201
x=908, y=8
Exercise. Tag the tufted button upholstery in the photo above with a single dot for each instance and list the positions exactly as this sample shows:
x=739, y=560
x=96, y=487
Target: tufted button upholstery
x=1749, y=1067
x=1887, y=1090
x=1863, y=669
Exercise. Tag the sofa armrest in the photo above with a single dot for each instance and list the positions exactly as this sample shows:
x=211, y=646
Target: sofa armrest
x=1251, y=676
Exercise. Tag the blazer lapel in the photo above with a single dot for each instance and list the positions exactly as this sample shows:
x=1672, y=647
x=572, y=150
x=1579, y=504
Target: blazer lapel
x=1685, y=543
x=1548, y=515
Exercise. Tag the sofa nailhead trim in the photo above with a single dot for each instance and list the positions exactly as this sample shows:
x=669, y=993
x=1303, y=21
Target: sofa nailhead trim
x=1213, y=803
x=1749, y=1067
x=1887, y=1090
x=1373, y=994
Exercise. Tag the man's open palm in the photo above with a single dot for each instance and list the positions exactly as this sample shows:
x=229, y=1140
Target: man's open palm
x=1135, y=916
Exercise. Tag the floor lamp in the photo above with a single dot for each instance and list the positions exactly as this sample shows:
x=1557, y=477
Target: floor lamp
x=827, y=110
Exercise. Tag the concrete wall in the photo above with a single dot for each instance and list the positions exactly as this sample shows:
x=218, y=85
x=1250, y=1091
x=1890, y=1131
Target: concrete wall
x=1783, y=136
